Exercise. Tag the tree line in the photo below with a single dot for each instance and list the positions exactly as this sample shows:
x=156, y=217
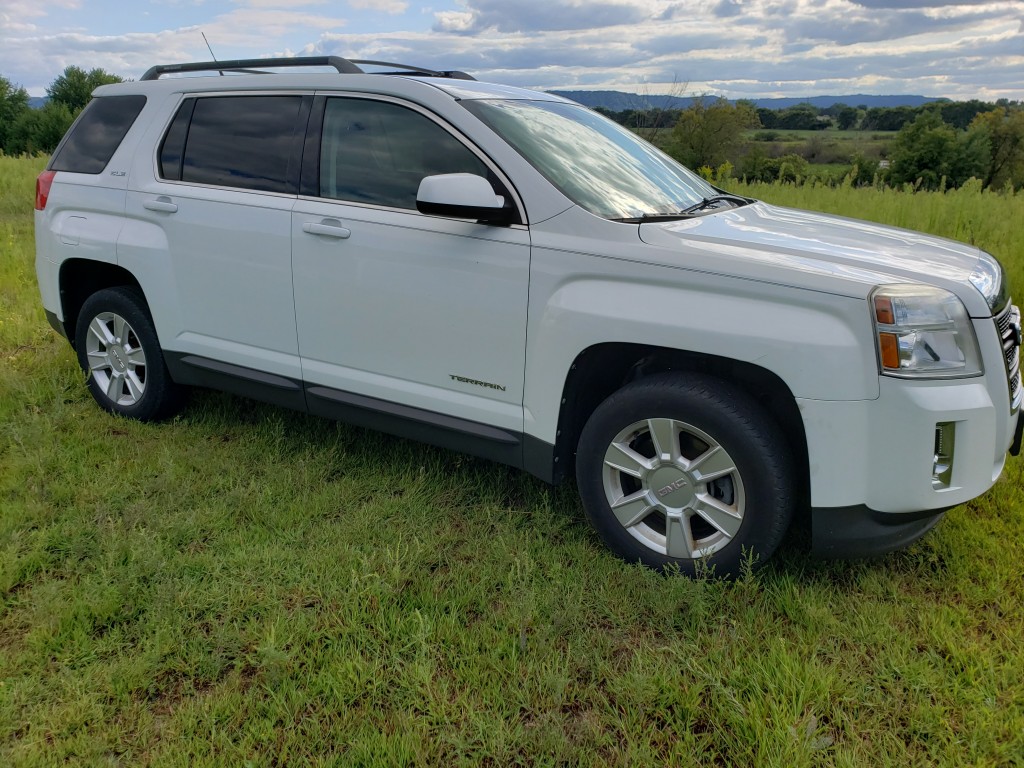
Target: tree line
x=941, y=144
x=807, y=117
x=27, y=130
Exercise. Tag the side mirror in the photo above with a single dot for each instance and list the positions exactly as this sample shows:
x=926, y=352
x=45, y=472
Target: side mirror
x=462, y=196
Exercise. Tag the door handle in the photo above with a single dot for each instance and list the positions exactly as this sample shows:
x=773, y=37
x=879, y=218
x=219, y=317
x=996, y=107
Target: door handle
x=327, y=229
x=162, y=204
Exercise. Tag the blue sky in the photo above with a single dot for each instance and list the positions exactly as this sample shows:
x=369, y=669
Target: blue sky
x=737, y=48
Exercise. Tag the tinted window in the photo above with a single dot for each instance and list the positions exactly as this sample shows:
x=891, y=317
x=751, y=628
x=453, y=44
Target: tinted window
x=378, y=152
x=173, y=148
x=243, y=141
x=97, y=134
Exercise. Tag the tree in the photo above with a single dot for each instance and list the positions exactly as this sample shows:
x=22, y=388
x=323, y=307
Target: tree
x=40, y=130
x=13, y=103
x=74, y=87
x=709, y=131
x=846, y=117
x=1004, y=128
x=930, y=151
x=960, y=114
x=769, y=117
x=803, y=117
x=888, y=118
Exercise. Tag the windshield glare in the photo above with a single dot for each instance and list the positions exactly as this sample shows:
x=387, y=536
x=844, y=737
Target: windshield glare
x=599, y=165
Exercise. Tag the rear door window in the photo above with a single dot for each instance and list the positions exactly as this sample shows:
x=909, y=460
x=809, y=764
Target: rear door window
x=96, y=134
x=249, y=142
x=252, y=142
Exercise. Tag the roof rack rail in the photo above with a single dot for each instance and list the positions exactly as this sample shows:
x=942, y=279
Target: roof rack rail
x=343, y=66
x=248, y=66
x=408, y=69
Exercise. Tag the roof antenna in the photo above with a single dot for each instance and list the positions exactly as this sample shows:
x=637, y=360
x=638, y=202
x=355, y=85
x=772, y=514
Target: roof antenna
x=210, y=50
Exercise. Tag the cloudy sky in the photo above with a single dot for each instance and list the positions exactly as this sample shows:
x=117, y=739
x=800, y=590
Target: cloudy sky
x=738, y=48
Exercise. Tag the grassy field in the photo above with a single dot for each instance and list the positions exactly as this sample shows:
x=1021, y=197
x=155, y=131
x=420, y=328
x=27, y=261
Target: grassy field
x=249, y=586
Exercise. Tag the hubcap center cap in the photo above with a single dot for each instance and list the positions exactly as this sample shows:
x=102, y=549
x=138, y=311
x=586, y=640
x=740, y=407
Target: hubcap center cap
x=118, y=358
x=672, y=487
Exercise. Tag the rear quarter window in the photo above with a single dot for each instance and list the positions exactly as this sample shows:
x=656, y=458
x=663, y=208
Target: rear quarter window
x=96, y=134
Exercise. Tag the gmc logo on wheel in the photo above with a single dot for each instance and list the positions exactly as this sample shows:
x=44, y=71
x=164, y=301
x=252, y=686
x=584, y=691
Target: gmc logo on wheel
x=662, y=492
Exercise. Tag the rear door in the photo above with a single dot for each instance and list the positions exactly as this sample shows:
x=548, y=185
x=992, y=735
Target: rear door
x=210, y=232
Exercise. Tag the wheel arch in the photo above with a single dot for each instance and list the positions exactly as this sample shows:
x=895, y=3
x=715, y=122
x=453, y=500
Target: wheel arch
x=602, y=369
x=80, y=279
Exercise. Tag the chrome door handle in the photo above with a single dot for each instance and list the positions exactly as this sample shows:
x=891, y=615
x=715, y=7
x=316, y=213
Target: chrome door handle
x=327, y=230
x=162, y=204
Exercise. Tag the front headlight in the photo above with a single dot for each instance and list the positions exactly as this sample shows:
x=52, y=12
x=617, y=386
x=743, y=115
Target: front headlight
x=990, y=280
x=923, y=332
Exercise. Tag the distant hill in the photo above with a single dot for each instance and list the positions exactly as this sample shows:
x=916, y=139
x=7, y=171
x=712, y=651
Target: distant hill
x=617, y=101
x=36, y=102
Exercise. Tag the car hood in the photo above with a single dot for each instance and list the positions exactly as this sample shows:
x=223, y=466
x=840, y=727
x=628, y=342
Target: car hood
x=829, y=246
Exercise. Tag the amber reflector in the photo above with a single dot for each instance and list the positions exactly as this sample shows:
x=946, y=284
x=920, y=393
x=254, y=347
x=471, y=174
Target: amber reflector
x=890, y=349
x=883, y=310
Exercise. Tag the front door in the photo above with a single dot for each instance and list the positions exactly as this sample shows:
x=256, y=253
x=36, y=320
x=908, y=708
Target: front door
x=412, y=315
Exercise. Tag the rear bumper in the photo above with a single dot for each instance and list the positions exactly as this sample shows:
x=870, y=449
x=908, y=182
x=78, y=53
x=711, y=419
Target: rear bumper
x=858, y=531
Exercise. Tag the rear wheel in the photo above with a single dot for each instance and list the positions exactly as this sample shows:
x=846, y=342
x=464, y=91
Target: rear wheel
x=683, y=469
x=118, y=348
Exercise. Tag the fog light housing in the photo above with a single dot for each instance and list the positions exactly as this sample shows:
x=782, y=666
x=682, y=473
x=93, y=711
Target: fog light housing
x=942, y=466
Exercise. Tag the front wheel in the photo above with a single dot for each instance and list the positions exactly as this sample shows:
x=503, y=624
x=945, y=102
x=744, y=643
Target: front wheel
x=118, y=348
x=683, y=469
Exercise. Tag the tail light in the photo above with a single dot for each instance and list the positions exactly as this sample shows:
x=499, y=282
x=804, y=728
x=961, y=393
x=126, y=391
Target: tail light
x=43, y=182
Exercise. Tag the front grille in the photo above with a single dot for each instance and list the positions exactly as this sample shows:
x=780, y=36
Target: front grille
x=1008, y=325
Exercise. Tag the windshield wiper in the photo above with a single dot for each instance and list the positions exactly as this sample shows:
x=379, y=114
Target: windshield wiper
x=686, y=212
x=645, y=217
x=707, y=202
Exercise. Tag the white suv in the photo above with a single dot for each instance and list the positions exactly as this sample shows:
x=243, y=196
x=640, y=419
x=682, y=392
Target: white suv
x=506, y=273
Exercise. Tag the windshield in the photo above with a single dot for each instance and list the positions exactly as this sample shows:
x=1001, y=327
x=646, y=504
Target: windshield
x=599, y=165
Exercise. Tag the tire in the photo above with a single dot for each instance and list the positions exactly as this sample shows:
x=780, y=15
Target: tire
x=118, y=349
x=685, y=470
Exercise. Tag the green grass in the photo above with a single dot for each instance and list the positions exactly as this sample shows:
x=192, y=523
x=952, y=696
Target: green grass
x=246, y=585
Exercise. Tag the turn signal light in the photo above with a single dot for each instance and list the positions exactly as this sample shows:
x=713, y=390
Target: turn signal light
x=883, y=311
x=889, y=347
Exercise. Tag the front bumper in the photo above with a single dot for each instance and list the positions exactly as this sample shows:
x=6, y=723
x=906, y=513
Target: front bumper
x=874, y=464
x=881, y=453
x=850, y=532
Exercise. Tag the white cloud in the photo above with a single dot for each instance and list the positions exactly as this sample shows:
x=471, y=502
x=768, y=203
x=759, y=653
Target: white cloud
x=392, y=7
x=454, y=21
x=14, y=14
x=277, y=4
x=240, y=32
x=532, y=15
x=735, y=47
